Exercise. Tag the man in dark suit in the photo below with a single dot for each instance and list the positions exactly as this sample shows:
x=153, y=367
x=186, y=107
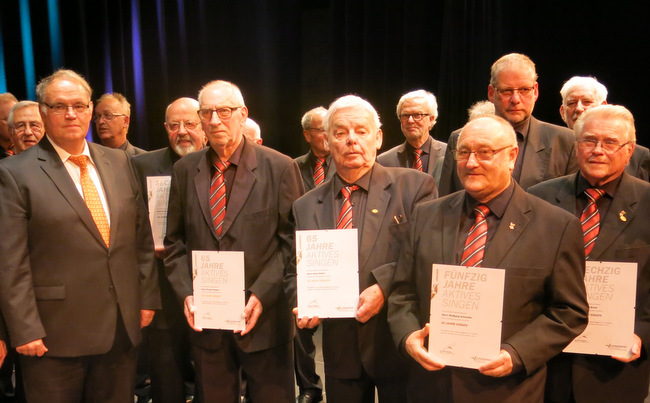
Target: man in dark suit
x=261, y=185
x=7, y=101
x=544, y=305
x=77, y=283
x=545, y=150
x=319, y=150
x=606, y=138
x=358, y=352
x=112, y=118
x=582, y=93
x=417, y=112
x=168, y=347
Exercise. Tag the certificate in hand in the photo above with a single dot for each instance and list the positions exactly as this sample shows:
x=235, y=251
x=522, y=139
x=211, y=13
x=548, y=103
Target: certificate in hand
x=611, y=291
x=327, y=262
x=219, y=289
x=158, y=197
x=466, y=314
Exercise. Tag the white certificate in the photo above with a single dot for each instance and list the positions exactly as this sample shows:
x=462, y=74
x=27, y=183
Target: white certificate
x=466, y=314
x=219, y=289
x=328, y=273
x=611, y=293
x=158, y=198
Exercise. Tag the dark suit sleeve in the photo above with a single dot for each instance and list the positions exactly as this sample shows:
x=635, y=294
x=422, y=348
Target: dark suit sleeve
x=448, y=176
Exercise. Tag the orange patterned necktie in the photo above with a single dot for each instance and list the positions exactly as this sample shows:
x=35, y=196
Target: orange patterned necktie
x=91, y=197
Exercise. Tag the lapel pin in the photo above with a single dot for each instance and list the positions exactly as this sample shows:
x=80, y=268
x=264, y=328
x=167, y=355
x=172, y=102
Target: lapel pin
x=374, y=211
x=512, y=225
x=621, y=216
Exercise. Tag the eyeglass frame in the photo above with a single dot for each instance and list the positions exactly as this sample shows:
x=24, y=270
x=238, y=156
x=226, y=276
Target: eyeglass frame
x=108, y=117
x=404, y=117
x=67, y=108
x=476, y=153
x=19, y=127
x=193, y=125
x=584, y=145
x=230, y=110
x=504, y=92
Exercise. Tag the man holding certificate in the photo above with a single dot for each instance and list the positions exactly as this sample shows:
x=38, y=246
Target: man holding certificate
x=539, y=247
x=376, y=201
x=234, y=196
x=621, y=233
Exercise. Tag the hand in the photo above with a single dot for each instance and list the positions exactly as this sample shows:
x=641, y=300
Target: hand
x=33, y=348
x=146, y=316
x=633, y=354
x=189, y=309
x=415, y=348
x=499, y=367
x=3, y=352
x=370, y=302
x=306, y=322
x=252, y=311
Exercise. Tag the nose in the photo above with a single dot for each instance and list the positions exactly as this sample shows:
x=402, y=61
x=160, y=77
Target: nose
x=182, y=130
x=70, y=112
x=351, y=138
x=515, y=98
x=214, y=118
x=580, y=107
x=472, y=161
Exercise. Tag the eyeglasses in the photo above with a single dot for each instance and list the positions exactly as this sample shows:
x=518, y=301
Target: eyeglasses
x=20, y=127
x=317, y=129
x=609, y=146
x=482, y=154
x=107, y=116
x=416, y=116
x=60, y=109
x=509, y=92
x=175, y=126
x=224, y=112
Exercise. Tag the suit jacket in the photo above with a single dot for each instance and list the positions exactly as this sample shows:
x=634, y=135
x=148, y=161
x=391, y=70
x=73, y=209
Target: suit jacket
x=257, y=222
x=639, y=165
x=159, y=163
x=398, y=157
x=348, y=345
x=58, y=280
x=307, y=169
x=549, y=154
x=603, y=378
x=131, y=150
x=544, y=304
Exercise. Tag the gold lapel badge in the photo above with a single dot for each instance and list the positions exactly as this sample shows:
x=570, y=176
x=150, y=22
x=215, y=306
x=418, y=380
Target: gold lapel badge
x=374, y=211
x=512, y=225
x=621, y=216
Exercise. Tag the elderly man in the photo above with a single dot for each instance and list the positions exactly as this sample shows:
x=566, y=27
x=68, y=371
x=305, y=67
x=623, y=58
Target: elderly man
x=7, y=101
x=112, y=117
x=168, y=348
x=25, y=125
x=606, y=140
x=545, y=150
x=316, y=166
x=77, y=275
x=252, y=131
x=544, y=304
x=358, y=352
x=417, y=112
x=582, y=93
x=260, y=187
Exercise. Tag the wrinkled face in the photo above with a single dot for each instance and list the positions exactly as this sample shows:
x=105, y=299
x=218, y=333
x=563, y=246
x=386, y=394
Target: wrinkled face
x=27, y=129
x=518, y=107
x=5, y=107
x=413, y=130
x=67, y=129
x=484, y=180
x=184, y=128
x=316, y=135
x=576, y=102
x=599, y=166
x=354, y=140
x=223, y=133
x=111, y=131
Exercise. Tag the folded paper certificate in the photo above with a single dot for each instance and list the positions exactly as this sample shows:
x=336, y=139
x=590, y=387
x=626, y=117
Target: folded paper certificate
x=219, y=289
x=611, y=292
x=328, y=273
x=466, y=314
x=158, y=197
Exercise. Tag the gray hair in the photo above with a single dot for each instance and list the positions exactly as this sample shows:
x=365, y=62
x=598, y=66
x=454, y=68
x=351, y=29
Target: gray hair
x=121, y=99
x=18, y=106
x=589, y=82
x=61, y=74
x=480, y=108
x=239, y=98
x=351, y=101
x=607, y=112
x=432, y=104
x=509, y=62
x=305, y=122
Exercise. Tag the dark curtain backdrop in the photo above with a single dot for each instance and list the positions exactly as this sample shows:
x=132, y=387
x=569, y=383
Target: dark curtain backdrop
x=288, y=56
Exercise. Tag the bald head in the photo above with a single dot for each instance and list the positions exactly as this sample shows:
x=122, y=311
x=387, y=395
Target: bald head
x=184, y=127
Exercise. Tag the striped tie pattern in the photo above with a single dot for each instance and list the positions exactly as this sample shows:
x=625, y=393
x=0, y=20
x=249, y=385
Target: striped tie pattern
x=218, y=196
x=319, y=171
x=475, y=242
x=91, y=197
x=345, y=217
x=590, y=220
x=417, y=162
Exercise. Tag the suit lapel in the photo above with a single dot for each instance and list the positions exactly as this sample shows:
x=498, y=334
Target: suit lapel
x=434, y=150
x=105, y=172
x=376, y=205
x=450, y=218
x=402, y=157
x=566, y=195
x=241, y=186
x=202, y=187
x=535, y=160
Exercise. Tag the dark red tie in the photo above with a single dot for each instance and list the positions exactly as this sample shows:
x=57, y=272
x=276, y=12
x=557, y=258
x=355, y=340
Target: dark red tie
x=590, y=220
x=319, y=171
x=345, y=217
x=218, y=196
x=417, y=162
x=475, y=243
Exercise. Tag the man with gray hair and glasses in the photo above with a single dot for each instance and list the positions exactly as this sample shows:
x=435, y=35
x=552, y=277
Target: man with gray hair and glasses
x=112, y=118
x=25, y=125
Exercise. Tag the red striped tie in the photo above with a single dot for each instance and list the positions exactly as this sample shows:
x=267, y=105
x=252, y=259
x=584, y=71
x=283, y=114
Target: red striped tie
x=417, y=162
x=319, y=171
x=475, y=243
x=590, y=220
x=218, y=196
x=345, y=217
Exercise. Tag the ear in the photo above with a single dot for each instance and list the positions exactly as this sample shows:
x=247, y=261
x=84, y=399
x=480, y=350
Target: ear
x=536, y=90
x=127, y=121
x=562, y=113
x=433, y=123
x=512, y=153
x=379, y=138
x=491, y=93
x=307, y=136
